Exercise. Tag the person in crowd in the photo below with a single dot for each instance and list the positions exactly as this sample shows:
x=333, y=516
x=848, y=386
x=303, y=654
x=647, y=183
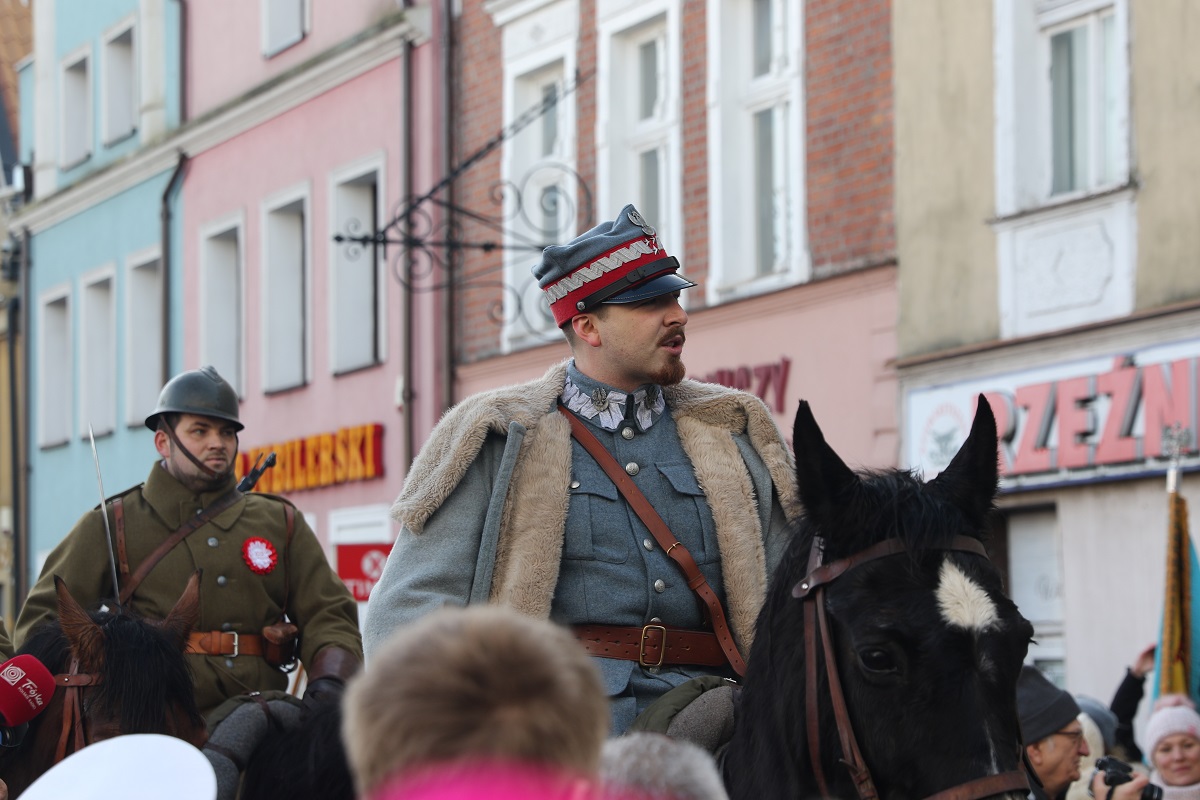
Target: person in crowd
x=1099, y=729
x=657, y=767
x=1054, y=743
x=1125, y=704
x=1172, y=738
x=467, y=693
x=267, y=592
x=505, y=505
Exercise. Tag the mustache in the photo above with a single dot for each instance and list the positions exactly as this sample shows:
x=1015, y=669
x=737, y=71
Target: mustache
x=679, y=334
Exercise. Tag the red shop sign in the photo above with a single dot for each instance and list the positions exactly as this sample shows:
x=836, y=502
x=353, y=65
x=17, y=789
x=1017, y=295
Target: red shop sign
x=360, y=565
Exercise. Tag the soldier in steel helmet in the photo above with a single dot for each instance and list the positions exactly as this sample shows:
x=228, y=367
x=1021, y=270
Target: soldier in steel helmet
x=268, y=595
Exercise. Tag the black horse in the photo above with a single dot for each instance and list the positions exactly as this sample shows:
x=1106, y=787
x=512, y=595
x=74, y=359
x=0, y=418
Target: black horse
x=925, y=646
x=130, y=676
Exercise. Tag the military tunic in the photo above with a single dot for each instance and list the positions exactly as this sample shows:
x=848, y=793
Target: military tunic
x=233, y=597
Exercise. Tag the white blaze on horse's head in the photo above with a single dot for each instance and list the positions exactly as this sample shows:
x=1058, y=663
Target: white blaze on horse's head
x=963, y=602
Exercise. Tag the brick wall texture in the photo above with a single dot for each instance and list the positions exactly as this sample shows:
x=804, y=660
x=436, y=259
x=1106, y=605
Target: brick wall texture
x=849, y=145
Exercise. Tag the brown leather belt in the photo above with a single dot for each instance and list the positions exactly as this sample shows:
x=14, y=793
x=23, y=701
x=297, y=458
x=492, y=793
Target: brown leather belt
x=645, y=645
x=225, y=643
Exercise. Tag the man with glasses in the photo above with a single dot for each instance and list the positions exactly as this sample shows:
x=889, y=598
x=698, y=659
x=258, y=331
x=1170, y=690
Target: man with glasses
x=1052, y=733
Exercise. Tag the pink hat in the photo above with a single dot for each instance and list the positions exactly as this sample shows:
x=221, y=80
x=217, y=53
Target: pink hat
x=1170, y=720
x=492, y=781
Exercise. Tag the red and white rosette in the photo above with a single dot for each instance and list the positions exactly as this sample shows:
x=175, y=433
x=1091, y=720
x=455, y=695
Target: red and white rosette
x=259, y=555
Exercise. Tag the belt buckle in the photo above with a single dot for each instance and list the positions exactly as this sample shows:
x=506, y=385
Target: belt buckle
x=662, y=653
x=234, y=654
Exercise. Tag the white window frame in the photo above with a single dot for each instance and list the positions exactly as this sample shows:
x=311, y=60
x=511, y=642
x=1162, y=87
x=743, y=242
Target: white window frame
x=233, y=224
x=736, y=96
x=266, y=9
x=620, y=141
x=340, y=254
x=540, y=40
x=113, y=130
x=527, y=320
x=144, y=335
x=1023, y=160
x=270, y=308
x=75, y=123
x=63, y=368
x=97, y=378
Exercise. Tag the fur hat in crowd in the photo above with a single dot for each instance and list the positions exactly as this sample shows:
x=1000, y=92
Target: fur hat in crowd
x=1102, y=715
x=1168, y=721
x=1043, y=708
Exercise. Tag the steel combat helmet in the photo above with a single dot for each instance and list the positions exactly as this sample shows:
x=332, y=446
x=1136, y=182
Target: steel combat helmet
x=198, y=391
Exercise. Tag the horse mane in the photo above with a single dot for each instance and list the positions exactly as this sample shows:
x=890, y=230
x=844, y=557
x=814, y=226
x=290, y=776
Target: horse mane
x=885, y=504
x=305, y=761
x=146, y=681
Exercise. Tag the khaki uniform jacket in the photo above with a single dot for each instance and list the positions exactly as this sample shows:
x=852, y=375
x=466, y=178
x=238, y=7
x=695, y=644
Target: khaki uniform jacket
x=232, y=596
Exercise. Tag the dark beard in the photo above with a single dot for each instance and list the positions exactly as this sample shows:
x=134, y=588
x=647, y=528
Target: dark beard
x=671, y=374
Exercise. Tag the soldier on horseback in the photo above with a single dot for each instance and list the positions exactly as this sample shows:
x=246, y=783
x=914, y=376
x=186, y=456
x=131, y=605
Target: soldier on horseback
x=268, y=595
x=510, y=501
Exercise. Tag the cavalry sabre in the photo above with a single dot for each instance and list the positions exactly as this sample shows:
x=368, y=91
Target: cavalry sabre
x=112, y=559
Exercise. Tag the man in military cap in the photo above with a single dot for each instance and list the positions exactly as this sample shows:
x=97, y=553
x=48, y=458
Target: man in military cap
x=504, y=504
x=265, y=578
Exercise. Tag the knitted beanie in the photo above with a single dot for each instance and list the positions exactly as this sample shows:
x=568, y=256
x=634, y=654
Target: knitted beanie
x=1171, y=720
x=1042, y=707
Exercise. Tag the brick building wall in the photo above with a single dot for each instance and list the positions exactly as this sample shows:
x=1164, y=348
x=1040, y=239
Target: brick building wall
x=477, y=116
x=848, y=58
x=849, y=144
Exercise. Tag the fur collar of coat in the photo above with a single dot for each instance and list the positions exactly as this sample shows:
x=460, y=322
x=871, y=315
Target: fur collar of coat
x=535, y=511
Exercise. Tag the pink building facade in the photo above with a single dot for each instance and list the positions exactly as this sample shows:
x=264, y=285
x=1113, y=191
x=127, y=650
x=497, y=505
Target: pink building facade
x=306, y=133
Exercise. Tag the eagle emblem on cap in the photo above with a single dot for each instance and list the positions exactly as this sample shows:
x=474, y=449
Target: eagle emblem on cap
x=639, y=221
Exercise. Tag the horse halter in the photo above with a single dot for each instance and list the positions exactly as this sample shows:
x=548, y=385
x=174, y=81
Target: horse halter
x=811, y=590
x=72, y=718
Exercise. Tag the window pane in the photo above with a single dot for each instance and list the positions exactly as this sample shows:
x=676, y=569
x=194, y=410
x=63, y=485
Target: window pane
x=762, y=37
x=550, y=208
x=549, y=119
x=648, y=78
x=649, y=205
x=764, y=191
x=1068, y=99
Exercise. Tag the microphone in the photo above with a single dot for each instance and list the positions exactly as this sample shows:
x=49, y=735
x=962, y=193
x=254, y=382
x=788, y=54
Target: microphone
x=26, y=687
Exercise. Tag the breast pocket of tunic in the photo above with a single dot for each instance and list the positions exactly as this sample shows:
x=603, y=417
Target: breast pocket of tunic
x=687, y=513
x=597, y=519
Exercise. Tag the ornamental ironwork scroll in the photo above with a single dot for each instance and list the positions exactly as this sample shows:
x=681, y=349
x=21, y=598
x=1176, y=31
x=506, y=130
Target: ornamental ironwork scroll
x=523, y=215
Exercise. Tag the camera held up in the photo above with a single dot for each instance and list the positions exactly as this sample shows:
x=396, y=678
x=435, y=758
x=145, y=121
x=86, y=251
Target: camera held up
x=1117, y=772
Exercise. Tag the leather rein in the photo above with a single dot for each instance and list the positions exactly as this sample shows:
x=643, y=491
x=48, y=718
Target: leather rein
x=811, y=590
x=72, y=717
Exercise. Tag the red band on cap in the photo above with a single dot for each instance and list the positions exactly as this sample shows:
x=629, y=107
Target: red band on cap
x=582, y=283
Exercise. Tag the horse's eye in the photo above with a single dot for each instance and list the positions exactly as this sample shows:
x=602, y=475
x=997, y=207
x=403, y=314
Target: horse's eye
x=876, y=659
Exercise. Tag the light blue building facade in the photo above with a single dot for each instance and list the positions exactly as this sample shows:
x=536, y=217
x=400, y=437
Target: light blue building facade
x=100, y=99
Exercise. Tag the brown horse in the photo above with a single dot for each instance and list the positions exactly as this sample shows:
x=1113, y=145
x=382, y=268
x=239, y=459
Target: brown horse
x=116, y=673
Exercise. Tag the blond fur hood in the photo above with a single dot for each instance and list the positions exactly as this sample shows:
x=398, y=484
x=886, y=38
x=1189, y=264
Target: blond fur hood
x=531, y=529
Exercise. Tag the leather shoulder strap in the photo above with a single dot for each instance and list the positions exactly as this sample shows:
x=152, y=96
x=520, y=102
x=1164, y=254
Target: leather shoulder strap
x=662, y=534
x=216, y=507
x=289, y=516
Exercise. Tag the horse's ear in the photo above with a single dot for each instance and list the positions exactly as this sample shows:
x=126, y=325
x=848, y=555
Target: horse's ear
x=821, y=475
x=83, y=634
x=971, y=480
x=182, y=618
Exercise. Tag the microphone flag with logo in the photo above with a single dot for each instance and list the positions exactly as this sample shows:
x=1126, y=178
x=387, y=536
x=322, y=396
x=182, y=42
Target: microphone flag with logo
x=26, y=687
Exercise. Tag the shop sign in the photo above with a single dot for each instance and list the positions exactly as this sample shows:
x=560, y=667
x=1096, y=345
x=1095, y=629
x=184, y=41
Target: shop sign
x=1066, y=422
x=324, y=459
x=360, y=566
x=767, y=381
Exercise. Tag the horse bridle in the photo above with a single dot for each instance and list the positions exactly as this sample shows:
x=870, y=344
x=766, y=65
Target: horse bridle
x=811, y=590
x=72, y=718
